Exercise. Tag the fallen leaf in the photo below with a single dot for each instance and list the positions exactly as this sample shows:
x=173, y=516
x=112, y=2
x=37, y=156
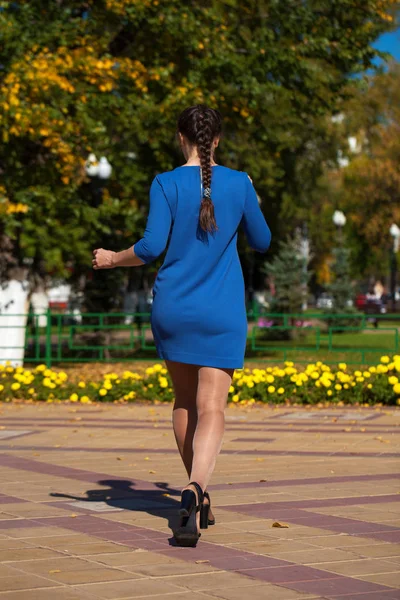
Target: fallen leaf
x=363, y=429
x=199, y=562
x=54, y=571
x=262, y=480
x=2, y=427
x=152, y=472
x=347, y=429
x=57, y=446
x=120, y=458
x=332, y=471
x=260, y=459
x=282, y=525
x=73, y=516
x=167, y=495
x=146, y=458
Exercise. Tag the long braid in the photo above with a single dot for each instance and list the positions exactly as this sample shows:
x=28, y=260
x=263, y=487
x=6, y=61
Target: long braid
x=204, y=141
x=201, y=125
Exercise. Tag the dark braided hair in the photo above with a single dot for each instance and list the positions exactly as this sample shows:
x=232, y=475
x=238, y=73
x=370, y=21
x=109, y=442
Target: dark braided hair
x=201, y=125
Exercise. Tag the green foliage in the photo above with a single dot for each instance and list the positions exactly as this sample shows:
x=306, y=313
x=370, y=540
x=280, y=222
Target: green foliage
x=111, y=76
x=341, y=290
x=288, y=270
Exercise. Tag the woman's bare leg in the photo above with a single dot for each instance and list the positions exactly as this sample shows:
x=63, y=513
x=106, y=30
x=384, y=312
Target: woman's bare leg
x=198, y=390
x=184, y=416
x=212, y=393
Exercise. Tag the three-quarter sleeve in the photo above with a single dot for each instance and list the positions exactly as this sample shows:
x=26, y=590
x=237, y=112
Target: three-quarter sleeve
x=255, y=226
x=155, y=238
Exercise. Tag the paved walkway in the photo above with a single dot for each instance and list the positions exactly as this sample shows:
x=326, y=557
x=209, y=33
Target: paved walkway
x=88, y=496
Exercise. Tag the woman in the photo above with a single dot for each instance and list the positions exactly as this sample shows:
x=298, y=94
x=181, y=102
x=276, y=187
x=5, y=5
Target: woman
x=198, y=316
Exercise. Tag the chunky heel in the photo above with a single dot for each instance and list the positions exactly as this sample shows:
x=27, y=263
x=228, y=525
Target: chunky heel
x=187, y=534
x=204, y=510
x=188, y=503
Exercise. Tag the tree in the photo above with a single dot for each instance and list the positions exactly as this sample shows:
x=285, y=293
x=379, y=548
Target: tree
x=372, y=179
x=111, y=77
x=288, y=271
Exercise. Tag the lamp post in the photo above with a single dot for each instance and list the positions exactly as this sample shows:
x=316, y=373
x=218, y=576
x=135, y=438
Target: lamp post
x=98, y=171
x=339, y=218
x=395, y=233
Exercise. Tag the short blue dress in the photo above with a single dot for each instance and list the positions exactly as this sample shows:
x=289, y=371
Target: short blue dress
x=199, y=313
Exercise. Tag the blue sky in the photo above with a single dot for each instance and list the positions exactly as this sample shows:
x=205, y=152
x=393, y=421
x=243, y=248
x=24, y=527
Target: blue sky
x=390, y=42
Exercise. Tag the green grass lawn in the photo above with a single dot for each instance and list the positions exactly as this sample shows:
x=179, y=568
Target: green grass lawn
x=351, y=347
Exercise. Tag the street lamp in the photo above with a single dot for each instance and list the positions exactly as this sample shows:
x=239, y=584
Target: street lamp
x=395, y=233
x=95, y=168
x=339, y=218
x=98, y=171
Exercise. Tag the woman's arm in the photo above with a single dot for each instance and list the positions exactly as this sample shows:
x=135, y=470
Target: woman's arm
x=255, y=226
x=152, y=244
x=107, y=259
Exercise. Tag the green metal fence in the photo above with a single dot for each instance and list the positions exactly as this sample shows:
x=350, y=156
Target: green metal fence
x=271, y=337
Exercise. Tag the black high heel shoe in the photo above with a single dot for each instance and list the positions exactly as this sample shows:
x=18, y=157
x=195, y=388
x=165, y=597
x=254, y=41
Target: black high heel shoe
x=206, y=511
x=188, y=534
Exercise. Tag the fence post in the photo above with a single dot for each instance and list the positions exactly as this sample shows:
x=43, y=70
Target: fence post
x=48, y=339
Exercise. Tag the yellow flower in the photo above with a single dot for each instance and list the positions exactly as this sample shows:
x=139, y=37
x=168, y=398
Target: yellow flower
x=150, y=371
x=369, y=386
x=250, y=384
x=1, y=388
x=108, y=385
x=393, y=380
x=372, y=369
x=329, y=392
x=163, y=382
x=31, y=391
x=357, y=374
x=231, y=389
x=281, y=390
x=338, y=387
x=157, y=368
x=385, y=359
x=235, y=398
x=396, y=388
x=270, y=379
x=85, y=400
x=271, y=389
x=40, y=368
x=81, y=384
x=74, y=397
x=102, y=392
x=15, y=386
x=342, y=366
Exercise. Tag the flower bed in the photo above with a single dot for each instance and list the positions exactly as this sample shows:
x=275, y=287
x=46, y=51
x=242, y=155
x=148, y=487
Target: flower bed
x=316, y=383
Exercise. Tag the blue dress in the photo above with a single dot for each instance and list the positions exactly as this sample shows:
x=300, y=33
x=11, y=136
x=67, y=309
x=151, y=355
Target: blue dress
x=199, y=313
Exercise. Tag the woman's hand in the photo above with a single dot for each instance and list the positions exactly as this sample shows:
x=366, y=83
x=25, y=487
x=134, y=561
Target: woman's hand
x=103, y=259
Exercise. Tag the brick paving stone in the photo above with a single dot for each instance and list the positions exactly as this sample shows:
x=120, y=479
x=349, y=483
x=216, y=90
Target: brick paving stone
x=88, y=520
x=53, y=593
x=130, y=589
x=262, y=592
x=24, y=582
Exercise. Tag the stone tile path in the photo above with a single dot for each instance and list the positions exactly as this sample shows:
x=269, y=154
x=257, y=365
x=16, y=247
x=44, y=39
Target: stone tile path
x=88, y=497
